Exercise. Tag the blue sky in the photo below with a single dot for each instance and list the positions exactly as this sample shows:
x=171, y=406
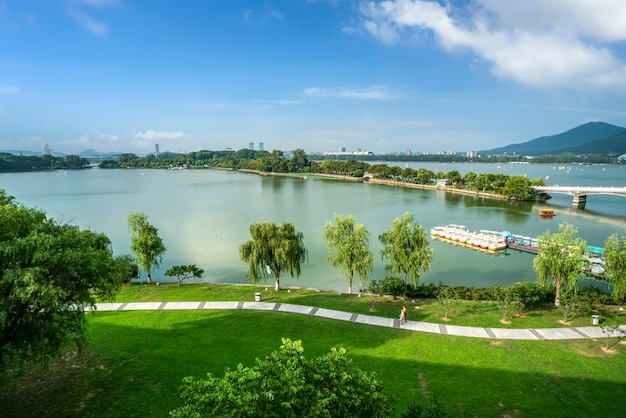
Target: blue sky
x=382, y=76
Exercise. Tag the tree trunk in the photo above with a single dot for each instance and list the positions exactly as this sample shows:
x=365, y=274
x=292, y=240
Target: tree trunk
x=149, y=278
x=557, y=284
x=350, y=284
x=277, y=284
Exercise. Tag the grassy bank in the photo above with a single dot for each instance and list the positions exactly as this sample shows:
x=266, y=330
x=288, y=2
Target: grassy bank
x=138, y=359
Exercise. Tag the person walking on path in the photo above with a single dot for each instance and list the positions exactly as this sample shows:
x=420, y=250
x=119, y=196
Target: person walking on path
x=403, y=315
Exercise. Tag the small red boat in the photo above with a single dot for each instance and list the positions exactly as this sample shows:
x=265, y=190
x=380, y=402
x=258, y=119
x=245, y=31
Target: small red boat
x=547, y=212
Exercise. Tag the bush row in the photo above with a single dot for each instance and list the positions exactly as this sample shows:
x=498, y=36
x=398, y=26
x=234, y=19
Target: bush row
x=533, y=293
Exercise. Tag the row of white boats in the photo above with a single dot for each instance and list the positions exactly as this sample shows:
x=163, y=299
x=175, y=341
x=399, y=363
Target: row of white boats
x=494, y=241
x=483, y=239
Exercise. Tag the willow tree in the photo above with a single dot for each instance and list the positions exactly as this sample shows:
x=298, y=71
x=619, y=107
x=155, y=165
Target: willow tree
x=272, y=250
x=406, y=247
x=145, y=243
x=348, y=245
x=560, y=259
x=615, y=265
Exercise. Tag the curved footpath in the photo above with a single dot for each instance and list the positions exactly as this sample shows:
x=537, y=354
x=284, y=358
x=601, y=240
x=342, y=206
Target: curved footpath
x=477, y=332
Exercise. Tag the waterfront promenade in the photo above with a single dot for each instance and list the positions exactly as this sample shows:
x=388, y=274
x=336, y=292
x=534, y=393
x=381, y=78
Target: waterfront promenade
x=416, y=326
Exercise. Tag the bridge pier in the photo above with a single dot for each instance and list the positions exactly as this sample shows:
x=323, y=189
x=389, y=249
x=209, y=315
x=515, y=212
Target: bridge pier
x=579, y=199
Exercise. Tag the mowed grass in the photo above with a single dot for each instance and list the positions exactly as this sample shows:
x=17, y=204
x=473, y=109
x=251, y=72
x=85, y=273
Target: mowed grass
x=137, y=359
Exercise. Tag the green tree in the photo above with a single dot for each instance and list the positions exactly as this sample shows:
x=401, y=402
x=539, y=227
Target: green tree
x=560, y=259
x=406, y=246
x=300, y=160
x=503, y=299
x=448, y=298
x=518, y=187
x=145, y=243
x=286, y=384
x=184, y=272
x=272, y=250
x=615, y=265
x=568, y=303
x=523, y=295
x=348, y=245
x=50, y=273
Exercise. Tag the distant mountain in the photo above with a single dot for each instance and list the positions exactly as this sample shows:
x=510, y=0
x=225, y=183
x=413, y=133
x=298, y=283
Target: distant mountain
x=20, y=152
x=590, y=138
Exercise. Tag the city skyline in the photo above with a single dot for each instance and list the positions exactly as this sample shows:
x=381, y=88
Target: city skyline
x=382, y=76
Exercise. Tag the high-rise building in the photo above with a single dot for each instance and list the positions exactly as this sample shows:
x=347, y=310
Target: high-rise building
x=45, y=149
x=156, y=149
x=260, y=146
x=409, y=152
x=251, y=145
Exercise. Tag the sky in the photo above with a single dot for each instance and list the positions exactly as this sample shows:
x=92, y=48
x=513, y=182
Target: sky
x=380, y=76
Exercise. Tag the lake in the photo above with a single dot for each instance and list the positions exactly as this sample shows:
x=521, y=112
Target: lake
x=204, y=216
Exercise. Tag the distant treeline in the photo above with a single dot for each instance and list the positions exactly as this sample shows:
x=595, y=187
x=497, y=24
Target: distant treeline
x=514, y=187
x=17, y=163
x=448, y=158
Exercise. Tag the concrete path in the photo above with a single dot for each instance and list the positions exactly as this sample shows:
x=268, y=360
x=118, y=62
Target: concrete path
x=477, y=332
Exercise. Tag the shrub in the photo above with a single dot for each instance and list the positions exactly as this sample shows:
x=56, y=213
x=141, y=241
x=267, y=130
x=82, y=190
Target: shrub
x=392, y=286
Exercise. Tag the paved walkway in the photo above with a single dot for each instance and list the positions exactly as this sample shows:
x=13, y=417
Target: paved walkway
x=477, y=332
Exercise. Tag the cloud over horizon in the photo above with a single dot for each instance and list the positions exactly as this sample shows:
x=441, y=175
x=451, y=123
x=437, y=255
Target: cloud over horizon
x=560, y=43
x=150, y=135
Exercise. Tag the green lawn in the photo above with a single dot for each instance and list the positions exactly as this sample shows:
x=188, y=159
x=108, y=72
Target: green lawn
x=138, y=359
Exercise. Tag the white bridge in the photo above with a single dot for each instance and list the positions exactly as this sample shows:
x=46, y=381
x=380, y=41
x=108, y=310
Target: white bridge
x=580, y=193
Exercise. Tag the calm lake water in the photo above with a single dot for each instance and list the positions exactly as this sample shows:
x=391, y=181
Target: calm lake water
x=204, y=215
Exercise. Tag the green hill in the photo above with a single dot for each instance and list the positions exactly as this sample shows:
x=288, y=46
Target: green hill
x=590, y=138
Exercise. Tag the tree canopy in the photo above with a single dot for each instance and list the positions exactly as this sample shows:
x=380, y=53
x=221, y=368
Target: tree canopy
x=184, y=272
x=560, y=259
x=272, y=250
x=145, y=243
x=406, y=247
x=286, y=384
x=615, y=265
x=51, y=272
x=348, y=245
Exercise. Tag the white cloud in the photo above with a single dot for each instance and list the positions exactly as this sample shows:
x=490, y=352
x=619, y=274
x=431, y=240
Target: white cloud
x=9, y=89
x=280, y=102
x=368, y=93
x=152, y=135
x=76, y=9
x=255, y=17
x=95, y=27
x=545, y=44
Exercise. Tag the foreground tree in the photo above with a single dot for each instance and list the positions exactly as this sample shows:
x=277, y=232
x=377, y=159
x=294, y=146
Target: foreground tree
x=560, y=259
x=50, y=273
x=615, y=265
x=348, y=245
x=286, y=384
x=184, y=272
x=145, y=243
x=406, y=246
x=272, y=250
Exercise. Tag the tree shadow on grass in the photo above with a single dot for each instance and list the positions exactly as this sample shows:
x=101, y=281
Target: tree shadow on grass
x=138, y=360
